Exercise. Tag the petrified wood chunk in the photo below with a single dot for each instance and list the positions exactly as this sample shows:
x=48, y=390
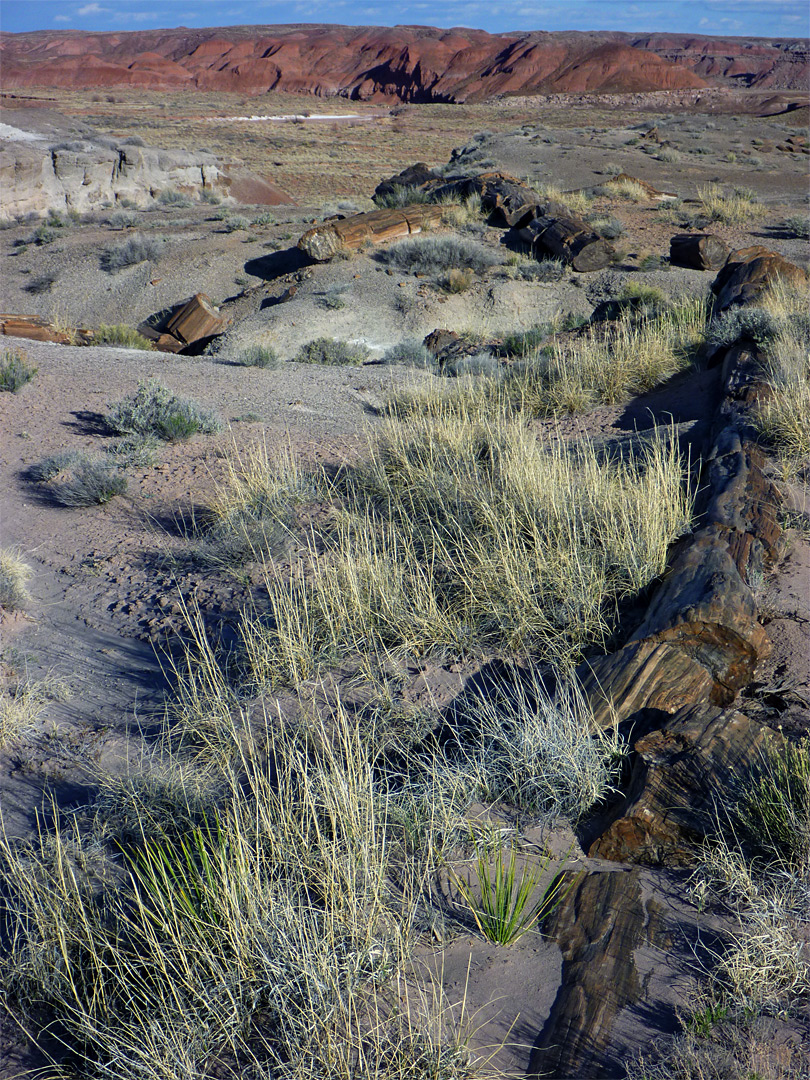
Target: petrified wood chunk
x=196, y=319
x=567, y=237
x=324, y=241
x=417, y=175
x=698, y=250
x=679, y=774
x=749, y=272
x=508, y=200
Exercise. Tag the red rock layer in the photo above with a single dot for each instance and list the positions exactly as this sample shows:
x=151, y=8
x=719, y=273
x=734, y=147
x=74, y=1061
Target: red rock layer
x=411, y=63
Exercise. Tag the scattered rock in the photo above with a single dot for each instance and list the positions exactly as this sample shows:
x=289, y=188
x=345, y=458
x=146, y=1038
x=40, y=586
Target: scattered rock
x=749, y=272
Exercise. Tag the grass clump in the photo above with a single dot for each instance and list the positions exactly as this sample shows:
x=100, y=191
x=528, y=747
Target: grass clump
x=235, y=223
x=610, y=228
x=402, y=195
x=154, y=410
x=576, y=202
x=256, y=355
x=172, y=197
x=740, y=207
x=626, y=188
x=465, y=536
x=76, y=479
x=14, y=574
x=136, y=249
x=412, y=354
x=782, y=418
x=437, y=255
x=329, y=351
x=798, y=225
x=15, y=371
x=124, y=336
x=504, y=909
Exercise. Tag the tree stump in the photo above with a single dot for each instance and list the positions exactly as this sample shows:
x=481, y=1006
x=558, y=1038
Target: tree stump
x=196, y=319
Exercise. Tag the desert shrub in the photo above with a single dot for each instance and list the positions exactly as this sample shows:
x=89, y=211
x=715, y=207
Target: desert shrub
x=437, y=255
x=464, y=213
x=79, y=479
x=134, y=451
x=410, y=353
x=457, y=280
x=668, y=154
x=136, y=249
x=650, y=296
x=172, y=197
x=771, y=814
x=15, y=371
x=133, y=140
x=235, y=223
x=124, y=336
x=798, y=225
x=210, y=197
x=45, y=234
x=608, y=227
x=480, y=363
x=14, y=574
x=41, y=284
x=267, y=217
x=651, y=261
x=155, y=410
x=329, y=351
x=122, y=219
x=740, y=207
x=402, y=195
x=263, y=356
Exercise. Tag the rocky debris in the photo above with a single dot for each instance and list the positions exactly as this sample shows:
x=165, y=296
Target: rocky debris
x=794, y=144
x=553, y=232
x=749, y=272
x=348, y=234
x=700, y=251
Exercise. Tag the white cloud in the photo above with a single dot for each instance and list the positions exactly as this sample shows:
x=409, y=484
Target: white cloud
x=93, y=9
x=62, y=18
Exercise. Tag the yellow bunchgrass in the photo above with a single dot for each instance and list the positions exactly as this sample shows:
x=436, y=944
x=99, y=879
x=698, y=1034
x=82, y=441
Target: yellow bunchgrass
x=15, y=573
x=784, y=416
x=577, y=202
x=739, y=207
x=469, y=535
x=627, y=189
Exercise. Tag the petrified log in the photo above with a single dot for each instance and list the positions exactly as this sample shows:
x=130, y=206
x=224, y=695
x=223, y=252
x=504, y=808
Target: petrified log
x=34, y=328
x=567, y=237
x=680, y=775
x=503, y=196
x=324, y=241
x=749, y=272
x=196, y=319
x=603, y=922
x=417, y=175
x=700, y=639
x=702, y=252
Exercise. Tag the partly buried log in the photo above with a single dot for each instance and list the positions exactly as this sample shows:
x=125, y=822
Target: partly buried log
x=698, y=250
x=349, y=234
x=750, y=272
x=418, y=175
x=561, y=235
x=35, y=329
x=195, y=320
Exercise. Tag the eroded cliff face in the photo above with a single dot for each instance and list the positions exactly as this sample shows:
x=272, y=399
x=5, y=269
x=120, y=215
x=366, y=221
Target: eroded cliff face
x=40, y=170
x=410, y=63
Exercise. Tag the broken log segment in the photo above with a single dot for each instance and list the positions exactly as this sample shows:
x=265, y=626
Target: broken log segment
x=750, y=272
x=698, y=250
x=564, y=236
x=504, y=197
x=348, y=234
x=195, y=320
x=35, y=329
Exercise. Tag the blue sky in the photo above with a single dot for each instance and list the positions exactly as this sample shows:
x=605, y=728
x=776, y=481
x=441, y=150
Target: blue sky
x=763, y=18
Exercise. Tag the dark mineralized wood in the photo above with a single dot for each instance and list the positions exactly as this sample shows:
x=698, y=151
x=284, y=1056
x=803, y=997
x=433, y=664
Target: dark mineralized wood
x=504, y=197
x=680, y=775
x=567, y=237
x=698, y=250
x=196, y=319
x=749, y=272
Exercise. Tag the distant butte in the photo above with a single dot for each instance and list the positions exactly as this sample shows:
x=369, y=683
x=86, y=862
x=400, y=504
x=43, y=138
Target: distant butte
x=408, y=63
